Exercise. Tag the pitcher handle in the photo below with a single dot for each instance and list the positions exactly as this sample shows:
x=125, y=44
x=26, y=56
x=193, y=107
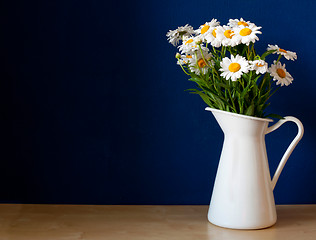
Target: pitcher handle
x=290, y=149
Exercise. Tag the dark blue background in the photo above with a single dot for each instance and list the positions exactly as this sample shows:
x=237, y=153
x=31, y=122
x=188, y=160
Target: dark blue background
x=95, y=112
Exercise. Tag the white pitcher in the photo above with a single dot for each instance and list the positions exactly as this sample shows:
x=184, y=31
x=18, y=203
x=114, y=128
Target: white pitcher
x=242, y=196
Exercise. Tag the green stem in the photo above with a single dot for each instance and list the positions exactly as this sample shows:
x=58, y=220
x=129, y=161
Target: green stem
x=254, y=51
x=263, y=80
x=182, y=67
x=223, y=52
x=204, y=57
x=214, y=50
x=230, y=51
x=231, y=98
x=280, y=56
x=273, y=92
x=242, y=83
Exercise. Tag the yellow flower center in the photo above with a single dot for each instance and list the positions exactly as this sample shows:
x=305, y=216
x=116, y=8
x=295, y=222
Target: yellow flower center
x=243, y=23
x=281, y=72
x=234, y=67
x=259, y=65
x=204, y=28
x=189, y=56
x=282, y=50
x=229, y=33
x=201, y=63
x=245, y=32
x=189, y=41
x=214, y=33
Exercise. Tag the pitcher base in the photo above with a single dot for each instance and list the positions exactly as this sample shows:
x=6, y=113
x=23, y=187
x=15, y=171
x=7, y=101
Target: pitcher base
x=241, y=227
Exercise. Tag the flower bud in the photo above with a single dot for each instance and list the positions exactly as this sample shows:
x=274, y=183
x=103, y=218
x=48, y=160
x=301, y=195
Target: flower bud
x=198, y=41
x=178, y=55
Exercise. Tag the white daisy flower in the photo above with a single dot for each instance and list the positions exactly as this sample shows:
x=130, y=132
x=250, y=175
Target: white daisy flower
x=188, y=45
x=234, y=67
x=227, y=36
x=197, y=63
x=238, y=22
x=184, y=59
x=174, y=36
x=279, y=74
x=287, y=54
x=191, y=45
x=247, y=34
x=207, y=28
x=259, y=66
x=214, y=38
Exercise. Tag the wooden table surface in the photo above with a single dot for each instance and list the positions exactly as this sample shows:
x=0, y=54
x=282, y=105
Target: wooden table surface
x=90, y=222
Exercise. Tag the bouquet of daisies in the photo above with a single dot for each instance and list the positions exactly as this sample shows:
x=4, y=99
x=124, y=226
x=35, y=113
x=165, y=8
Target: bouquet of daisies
x=229, y=73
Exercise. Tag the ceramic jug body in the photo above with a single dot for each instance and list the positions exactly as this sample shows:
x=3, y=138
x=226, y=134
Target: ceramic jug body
x=242, y=195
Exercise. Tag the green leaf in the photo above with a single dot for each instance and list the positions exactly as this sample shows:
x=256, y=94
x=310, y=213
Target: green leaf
x=250, y=110
x=205, y=98
x=246, y=90
x=256, y=78
x=197, y=80
x=266, y=53
x=273, y=115
x=192, y=90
